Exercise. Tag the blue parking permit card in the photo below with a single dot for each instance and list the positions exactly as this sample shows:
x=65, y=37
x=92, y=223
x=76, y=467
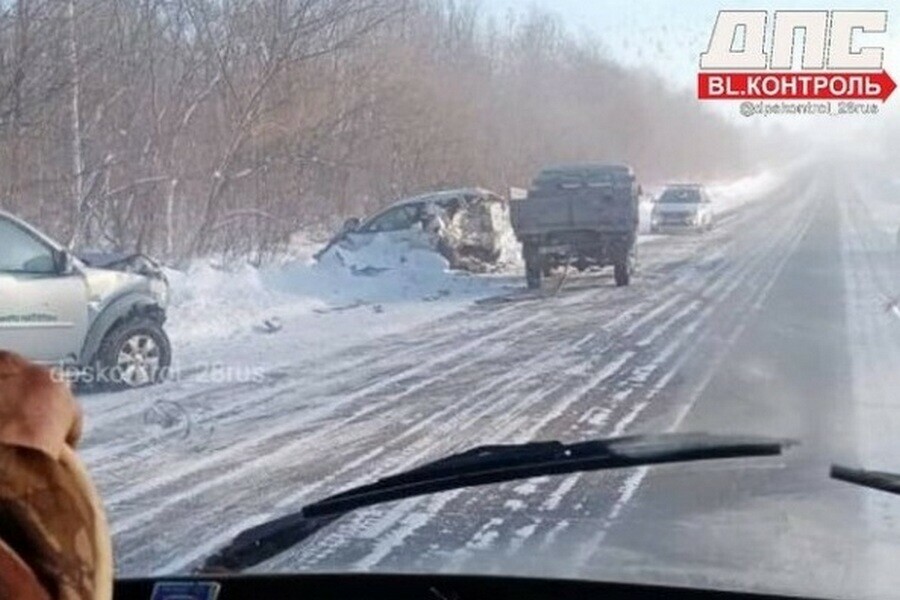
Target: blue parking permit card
x=185, y=590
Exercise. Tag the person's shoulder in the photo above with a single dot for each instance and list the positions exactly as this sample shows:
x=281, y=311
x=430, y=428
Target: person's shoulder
x=37, y=409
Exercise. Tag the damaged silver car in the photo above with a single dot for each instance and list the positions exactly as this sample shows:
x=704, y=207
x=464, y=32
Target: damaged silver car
x=102, y=317
x=467, y=226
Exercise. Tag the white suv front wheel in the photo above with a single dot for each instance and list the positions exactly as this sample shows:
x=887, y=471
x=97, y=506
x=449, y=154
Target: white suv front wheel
x=134, y=354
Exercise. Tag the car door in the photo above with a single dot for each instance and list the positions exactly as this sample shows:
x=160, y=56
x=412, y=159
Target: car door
x=43, y=313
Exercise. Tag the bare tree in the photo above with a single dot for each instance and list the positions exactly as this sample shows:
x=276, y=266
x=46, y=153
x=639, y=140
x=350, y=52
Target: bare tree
x=185, y=128
x=78, y=199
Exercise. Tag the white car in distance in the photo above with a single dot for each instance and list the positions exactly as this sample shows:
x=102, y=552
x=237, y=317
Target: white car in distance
x=683, y=207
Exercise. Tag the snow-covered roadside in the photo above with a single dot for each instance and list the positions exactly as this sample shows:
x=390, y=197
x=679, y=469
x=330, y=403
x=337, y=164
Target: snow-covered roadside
x=256, y=318
x=302, y=308
x=726, y=195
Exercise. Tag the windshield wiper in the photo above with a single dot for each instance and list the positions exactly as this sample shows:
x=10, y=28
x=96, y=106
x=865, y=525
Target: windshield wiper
x=877, y=480
x=481, y=466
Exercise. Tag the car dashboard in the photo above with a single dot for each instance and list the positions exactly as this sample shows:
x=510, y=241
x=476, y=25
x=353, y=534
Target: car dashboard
x=358, y=586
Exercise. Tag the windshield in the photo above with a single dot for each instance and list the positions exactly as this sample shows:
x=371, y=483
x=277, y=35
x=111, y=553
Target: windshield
x=681, y=196
x=365, y=259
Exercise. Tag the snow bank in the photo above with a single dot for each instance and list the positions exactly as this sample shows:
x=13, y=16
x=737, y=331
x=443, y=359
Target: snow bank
x=385, y=276
x=372, y=254
x=733, y=194
x=725, y=196
x=210, y=302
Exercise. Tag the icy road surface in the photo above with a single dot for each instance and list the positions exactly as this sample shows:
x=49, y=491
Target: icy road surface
x=776, y=323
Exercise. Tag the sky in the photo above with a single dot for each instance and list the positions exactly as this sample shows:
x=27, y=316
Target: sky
x=667, y=36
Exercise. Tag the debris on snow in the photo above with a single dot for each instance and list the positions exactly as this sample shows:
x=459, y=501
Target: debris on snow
x=270, y=325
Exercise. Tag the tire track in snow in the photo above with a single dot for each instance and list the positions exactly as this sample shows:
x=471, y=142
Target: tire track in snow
x=526, y=403
x=758, y=268
x=633, y=481
x=669, y=269
x=346, y=532
x=148, y=515
x=249, y=445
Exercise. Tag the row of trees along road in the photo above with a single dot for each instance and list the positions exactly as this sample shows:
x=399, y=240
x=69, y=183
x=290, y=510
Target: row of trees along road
x=185, y=128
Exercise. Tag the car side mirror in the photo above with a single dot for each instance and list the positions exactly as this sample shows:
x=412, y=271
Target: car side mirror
x=62, y=262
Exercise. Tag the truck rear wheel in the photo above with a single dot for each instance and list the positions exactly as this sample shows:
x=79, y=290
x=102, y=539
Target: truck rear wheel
x=533, y=274
x=624, y=267
x=622, y=273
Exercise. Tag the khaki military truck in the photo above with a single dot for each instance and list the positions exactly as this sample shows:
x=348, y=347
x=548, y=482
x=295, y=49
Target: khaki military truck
x=584, y=216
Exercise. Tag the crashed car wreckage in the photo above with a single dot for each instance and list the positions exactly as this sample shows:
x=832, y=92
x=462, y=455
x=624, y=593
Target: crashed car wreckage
x=466, y=226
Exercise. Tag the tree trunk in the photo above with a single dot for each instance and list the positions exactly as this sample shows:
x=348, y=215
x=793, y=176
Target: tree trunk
x=78, y=212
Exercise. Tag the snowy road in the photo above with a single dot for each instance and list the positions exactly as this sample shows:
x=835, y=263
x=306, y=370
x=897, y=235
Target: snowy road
x=774, y=323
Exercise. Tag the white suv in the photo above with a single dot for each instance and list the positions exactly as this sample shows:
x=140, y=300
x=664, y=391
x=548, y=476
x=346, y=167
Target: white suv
x=682, y=207
x=105, y=323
